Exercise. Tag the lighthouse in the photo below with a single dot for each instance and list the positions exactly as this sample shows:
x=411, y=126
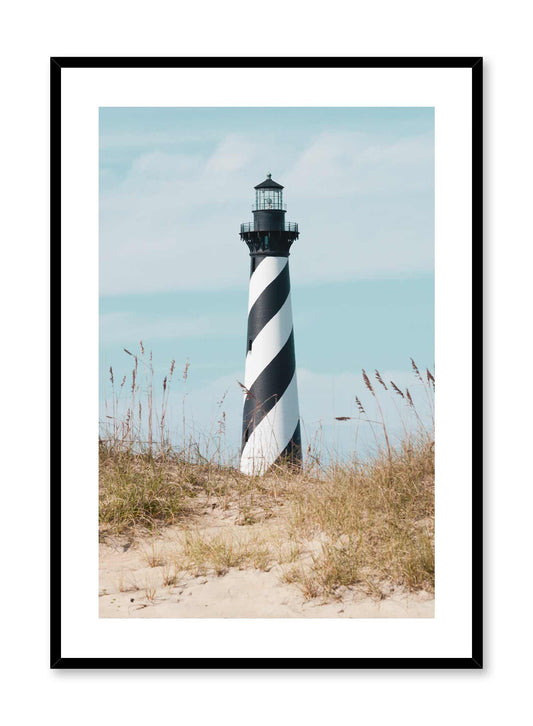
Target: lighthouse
x=271, y=420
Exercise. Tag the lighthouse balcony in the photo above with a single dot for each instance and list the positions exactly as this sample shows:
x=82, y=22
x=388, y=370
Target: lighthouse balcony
x=247, y=227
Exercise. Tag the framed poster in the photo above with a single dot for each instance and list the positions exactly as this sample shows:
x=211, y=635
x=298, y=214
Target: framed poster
x=268, y=470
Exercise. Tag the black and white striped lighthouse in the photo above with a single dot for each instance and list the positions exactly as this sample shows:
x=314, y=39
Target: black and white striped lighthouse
x=271, y=420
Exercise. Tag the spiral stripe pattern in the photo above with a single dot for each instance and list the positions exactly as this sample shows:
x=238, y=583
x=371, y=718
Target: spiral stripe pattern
x=271, y=427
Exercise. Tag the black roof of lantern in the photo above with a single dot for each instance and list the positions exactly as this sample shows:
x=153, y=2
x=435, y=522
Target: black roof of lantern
x=269, y=183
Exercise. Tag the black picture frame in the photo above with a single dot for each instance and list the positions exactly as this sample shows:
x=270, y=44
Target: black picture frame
x=57, y=660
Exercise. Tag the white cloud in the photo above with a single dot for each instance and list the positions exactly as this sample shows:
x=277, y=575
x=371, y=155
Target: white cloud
x=232, y=154
x=127, y=327
x=347, y=164
x=365, y=208
x=127, y=139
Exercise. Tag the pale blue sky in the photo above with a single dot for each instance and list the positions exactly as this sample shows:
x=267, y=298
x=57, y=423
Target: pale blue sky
x=175, y=185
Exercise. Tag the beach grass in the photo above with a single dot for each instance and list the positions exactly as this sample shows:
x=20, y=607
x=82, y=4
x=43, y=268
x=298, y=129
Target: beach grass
x=365, y=523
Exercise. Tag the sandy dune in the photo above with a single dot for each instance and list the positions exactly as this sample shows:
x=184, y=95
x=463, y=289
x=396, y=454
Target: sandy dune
x=131, y=588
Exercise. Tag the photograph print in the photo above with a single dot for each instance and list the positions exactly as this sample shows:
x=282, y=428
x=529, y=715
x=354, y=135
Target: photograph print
x=267, y=362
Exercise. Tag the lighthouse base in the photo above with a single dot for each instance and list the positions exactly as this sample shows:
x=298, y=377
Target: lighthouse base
x=291, y=459
x=276, y=439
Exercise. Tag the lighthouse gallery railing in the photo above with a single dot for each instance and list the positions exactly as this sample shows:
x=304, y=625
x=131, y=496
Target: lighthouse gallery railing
x=289, y=227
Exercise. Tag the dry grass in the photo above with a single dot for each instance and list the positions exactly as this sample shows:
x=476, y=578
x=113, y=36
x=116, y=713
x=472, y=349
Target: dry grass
x=368, y=524
x=219, y=554
x=375, y=523
x=140, y=493
x=170, y=572
x=150, y=592
x=153, y=556
x=136, y=491
x=129, y=585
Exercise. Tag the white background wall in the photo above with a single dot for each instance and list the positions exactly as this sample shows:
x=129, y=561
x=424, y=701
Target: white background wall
x=33, y=31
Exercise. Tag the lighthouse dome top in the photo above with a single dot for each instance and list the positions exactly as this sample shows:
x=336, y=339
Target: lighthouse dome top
x=269, y=183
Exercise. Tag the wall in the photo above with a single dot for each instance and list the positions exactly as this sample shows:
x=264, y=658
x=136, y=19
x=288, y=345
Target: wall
x=341, y=28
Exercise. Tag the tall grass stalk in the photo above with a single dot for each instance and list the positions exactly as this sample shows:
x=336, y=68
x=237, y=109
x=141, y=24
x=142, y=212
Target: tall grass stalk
x=372, y=391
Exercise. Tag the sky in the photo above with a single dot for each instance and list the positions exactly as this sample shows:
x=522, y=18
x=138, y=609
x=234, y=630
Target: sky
x=175, y=184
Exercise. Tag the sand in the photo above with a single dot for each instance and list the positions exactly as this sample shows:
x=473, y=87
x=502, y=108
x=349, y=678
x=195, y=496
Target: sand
x=131, y=588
